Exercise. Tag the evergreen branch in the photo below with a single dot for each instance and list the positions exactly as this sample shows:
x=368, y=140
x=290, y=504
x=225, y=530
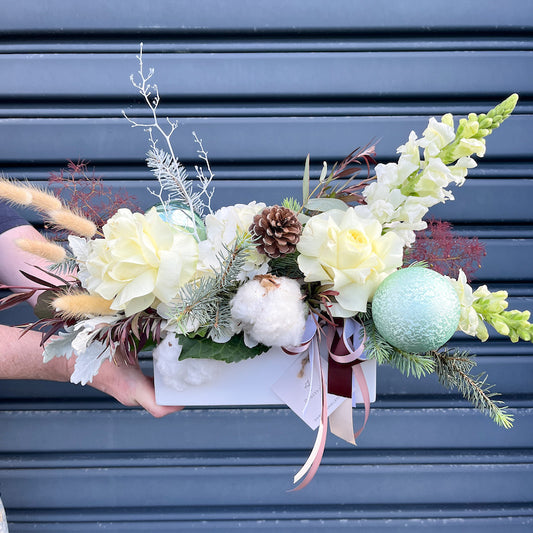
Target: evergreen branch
x=292, y=204
x=453, y=370
x=69, y=265
x=172, y=177
x=204, y=303
x=287, y=266
x=416, y=364
x=376, y=347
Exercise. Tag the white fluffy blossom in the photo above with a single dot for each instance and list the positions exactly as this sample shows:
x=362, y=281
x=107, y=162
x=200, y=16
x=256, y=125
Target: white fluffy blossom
x=270, y=311
x=181, y=375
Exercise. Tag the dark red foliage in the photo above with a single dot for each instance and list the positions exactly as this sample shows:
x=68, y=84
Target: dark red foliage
x=86, y=193
x=445, y=251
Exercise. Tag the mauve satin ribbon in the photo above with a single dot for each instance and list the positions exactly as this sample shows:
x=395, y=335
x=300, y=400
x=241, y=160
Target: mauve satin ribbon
x=345, y=352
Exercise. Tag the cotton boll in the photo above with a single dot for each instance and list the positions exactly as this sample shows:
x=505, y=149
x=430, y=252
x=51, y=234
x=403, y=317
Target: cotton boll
x=180, y=375
x=270, y=310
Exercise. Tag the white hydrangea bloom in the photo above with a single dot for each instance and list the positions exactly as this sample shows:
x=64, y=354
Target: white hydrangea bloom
x=222, y=228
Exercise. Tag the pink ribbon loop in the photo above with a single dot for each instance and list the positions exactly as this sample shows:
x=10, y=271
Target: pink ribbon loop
x=345, y=352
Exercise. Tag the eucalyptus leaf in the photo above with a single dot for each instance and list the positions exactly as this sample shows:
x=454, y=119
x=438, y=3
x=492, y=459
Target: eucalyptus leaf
x=325, y=204
x=44, y=308
x=303, y=218
x=305, y=181
x=232, y=351
x=324, y=172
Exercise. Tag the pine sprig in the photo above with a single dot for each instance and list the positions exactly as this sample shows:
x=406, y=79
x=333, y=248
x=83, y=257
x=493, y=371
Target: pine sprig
x=173, y=179
x=412, y=364
x=376, y=347
x=286, y=265
x=453, y=371
x=204, y=303
x=69, y=265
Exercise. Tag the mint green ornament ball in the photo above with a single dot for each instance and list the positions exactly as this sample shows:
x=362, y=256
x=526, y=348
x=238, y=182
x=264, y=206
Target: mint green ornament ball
x=416, y=309
x=179, y=214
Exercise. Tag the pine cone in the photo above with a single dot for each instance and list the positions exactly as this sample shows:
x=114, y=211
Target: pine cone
x=276, y=230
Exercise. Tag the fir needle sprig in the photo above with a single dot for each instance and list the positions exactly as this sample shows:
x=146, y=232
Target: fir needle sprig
x=453, y=371
x=204, y=302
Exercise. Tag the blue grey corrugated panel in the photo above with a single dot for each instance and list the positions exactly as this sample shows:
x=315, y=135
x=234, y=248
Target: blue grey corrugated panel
x=210, y=16
x=263, y=87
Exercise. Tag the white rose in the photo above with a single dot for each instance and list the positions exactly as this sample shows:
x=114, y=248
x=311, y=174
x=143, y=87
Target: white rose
x=349, y=252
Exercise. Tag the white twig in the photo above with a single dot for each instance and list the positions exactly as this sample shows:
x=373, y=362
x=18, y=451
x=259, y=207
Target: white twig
x=150, y=93
x=205, y=181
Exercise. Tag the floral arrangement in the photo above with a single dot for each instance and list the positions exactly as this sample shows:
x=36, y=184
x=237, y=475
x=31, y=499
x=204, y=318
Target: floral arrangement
x=327, y=276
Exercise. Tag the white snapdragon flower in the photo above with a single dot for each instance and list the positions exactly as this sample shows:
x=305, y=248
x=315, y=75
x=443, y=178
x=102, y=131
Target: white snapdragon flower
x=467, y=147
x=409, y=161
x=437, y=135
x=460, y=169
x=470, y=322
x=435, y=176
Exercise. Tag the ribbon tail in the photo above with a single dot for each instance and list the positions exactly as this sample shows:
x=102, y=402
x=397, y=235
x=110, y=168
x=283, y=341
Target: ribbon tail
x=363, y=387
x=313, y=353
x=341, y=420
x=310, y=467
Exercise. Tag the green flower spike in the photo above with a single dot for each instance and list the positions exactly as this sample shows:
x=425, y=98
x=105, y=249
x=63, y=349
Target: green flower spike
x=492, y=308
x=470, y=134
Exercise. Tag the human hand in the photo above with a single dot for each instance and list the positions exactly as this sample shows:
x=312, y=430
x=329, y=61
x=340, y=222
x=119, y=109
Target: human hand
x=131, y=387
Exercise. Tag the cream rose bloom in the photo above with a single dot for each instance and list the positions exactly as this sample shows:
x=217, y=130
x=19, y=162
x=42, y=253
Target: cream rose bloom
x=140, y=262
x=348, y=251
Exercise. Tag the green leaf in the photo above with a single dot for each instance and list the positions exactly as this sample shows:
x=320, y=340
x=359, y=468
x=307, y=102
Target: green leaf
x=305, y=183
x=324, y=172
x=232, y=351
x=44, y=308
x=325, y=204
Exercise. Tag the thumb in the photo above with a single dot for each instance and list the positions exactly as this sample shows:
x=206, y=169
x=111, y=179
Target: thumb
x=145, y=397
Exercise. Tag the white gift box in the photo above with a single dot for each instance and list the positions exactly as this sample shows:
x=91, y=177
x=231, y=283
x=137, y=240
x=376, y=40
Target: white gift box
x=272, y=378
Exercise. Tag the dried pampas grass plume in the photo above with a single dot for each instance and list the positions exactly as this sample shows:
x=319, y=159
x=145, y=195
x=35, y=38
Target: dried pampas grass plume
x=82, y=305
x=73, y=222
x=45, y=249
x=43, y=200
x=52, y=208
x=14, y=193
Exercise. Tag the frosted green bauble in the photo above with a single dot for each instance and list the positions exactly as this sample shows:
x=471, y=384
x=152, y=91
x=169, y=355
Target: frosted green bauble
x=416, y=309
x=178, y=214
